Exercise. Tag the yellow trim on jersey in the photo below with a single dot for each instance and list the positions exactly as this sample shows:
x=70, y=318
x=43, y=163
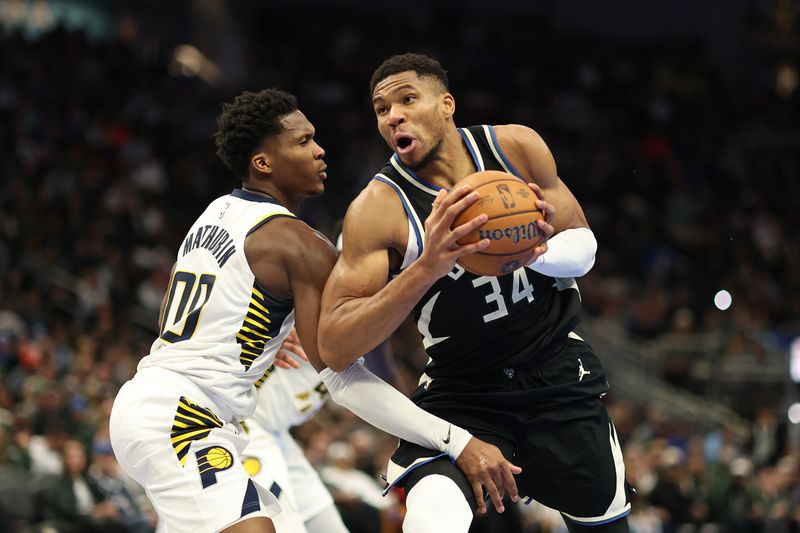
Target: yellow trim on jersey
x=253, y=302
x=260, y=381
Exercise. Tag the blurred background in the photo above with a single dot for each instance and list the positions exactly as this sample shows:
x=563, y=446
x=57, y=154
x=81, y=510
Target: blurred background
x=675, y=124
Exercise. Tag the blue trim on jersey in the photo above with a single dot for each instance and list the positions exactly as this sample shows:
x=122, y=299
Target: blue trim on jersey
x=414, y=174
x=469, y=147
x=253, y=197
x=603, y=522
x=502, y=155
x=406, y=207
x=250, y=503
x=267, y=219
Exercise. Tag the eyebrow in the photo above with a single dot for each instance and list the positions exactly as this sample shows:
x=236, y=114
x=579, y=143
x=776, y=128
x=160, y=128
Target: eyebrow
x=396, y=89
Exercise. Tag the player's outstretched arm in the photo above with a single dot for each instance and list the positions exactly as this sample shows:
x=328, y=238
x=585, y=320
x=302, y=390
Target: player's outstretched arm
x=361, y=307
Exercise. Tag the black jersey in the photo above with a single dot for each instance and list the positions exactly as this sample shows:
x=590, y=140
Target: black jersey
x=472, y=324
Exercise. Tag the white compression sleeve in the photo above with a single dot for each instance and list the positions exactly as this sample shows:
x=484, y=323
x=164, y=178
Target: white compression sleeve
x=570, y=254
x=386, y=408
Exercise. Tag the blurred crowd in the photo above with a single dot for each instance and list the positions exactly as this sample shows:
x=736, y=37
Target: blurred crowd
x=689, y=175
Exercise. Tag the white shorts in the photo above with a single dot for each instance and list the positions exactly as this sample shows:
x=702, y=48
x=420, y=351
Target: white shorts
x=166, y=435
x=275, y=461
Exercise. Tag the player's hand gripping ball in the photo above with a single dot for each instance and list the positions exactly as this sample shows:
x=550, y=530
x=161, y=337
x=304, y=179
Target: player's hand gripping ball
x=511, y=228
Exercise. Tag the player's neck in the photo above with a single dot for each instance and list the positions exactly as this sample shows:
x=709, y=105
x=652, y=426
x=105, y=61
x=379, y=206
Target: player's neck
x=452, y=164
x=256, y=190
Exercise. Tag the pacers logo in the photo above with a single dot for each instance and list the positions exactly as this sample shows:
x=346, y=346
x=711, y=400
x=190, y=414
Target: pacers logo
x=213, y=460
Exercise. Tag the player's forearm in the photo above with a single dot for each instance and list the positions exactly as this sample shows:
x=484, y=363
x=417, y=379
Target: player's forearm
x=383, y=406
x=354, y=326
x=570, y=254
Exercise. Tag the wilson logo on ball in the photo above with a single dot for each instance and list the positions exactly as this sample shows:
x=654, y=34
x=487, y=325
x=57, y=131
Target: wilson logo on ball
x=516, y=234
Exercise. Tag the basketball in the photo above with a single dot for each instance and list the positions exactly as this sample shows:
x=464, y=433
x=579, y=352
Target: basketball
x=511, y=229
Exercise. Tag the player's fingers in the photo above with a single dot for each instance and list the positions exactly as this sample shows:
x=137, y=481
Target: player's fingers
x=548, y=209
x=537, y=190
x=468, y=227
x=461, y=251
x=545, y=228
x=477, y=490
x=509, y=483
x=454, y=209
x=494, y=493
x=295, y=349
x=285, y=359
x=280, y=363
x=437, y=202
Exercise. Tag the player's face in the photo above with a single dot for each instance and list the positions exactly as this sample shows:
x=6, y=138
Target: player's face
x=412, y=114
x=296, y=159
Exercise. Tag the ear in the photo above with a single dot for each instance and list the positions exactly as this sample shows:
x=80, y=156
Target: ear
x=261, y=163
x=448, y=105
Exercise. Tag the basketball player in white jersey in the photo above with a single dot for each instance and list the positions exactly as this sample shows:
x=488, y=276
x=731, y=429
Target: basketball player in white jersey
x=247, y=272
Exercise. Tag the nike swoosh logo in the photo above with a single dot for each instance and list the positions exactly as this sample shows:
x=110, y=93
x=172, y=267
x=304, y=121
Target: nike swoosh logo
x=447, y=440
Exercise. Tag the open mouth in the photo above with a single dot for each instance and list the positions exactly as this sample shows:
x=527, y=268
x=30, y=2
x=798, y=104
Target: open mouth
x=404, y=143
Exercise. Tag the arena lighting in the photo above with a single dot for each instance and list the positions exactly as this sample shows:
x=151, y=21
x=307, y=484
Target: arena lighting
x=189, y=61
x=794, y=413
x=723, y=300
x=794, y=360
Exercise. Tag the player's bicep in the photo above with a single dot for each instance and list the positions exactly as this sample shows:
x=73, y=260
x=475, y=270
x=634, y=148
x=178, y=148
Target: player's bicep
x=530, y=154
x=363, y=265
x=308, y=270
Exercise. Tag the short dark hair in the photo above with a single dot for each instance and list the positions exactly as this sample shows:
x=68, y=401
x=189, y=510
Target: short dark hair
x=423, y=65
x=247, y=122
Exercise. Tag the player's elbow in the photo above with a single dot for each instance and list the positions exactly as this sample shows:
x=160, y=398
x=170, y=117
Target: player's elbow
x=334, y=362
x=331, y=353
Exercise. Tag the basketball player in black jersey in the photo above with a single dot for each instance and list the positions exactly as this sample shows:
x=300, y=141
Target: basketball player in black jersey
x=504, y=361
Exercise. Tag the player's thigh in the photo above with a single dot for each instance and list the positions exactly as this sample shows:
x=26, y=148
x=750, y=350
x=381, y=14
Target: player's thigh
x=251, y=525
x=442, y=467
x=573, y=463
x=187, y=460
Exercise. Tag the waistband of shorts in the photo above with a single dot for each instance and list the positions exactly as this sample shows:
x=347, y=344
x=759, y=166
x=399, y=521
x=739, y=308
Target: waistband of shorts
x=186, y=387
x=539, y=359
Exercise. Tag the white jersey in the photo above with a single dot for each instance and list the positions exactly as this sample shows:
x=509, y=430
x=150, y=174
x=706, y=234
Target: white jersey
x=220, y=328
x=289, y=397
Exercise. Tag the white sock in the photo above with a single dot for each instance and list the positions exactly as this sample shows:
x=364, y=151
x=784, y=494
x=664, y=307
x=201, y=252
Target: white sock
x=327, y=521
x=436, y=505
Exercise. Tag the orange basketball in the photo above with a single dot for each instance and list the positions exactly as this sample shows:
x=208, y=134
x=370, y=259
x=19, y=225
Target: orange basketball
x=511, y=229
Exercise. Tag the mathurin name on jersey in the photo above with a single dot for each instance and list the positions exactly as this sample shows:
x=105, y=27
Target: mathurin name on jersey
x=212, y=238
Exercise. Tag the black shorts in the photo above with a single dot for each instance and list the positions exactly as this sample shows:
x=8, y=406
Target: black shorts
x=548, y=420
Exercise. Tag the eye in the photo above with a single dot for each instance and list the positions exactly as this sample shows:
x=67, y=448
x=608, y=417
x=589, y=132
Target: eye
x=305, y=140
x=407, y=99
x=380, y=110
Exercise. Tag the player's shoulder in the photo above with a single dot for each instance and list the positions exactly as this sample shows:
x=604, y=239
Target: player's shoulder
x=377, y=198
x=527, y=151
x=291, y=239
x=375, y=218
x=517, y=135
